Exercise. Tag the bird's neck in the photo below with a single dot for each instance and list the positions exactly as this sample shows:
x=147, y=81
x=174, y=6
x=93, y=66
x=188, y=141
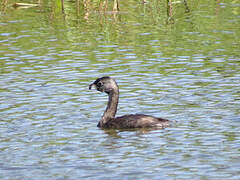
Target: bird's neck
x=111, y=109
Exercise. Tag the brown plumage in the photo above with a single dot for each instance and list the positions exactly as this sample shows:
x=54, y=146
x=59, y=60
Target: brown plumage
x=108, y=120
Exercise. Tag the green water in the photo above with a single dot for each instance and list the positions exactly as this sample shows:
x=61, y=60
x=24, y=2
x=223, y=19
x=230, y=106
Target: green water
x=179, y=61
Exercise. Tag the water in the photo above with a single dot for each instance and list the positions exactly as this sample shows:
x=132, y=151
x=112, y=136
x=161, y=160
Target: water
x=183, y=67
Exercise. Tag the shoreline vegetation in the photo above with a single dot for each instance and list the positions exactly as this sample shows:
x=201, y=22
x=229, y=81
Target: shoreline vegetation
x=170, y=10
x=101, y=6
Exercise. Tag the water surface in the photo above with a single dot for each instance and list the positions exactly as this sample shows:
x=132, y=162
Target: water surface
x=182, y=66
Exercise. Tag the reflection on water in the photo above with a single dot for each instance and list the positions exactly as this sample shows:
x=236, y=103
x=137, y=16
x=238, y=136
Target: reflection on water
x=186, y=71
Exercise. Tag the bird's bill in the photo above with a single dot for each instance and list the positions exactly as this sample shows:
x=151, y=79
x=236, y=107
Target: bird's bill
x=92, y=85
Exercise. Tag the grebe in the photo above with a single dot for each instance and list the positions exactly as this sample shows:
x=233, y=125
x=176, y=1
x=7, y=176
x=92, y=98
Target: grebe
x=108, y=120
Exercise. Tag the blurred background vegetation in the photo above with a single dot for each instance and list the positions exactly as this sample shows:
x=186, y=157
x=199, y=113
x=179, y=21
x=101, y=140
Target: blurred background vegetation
x=175, y=23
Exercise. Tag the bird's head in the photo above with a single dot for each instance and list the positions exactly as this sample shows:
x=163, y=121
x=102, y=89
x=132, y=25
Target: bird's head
x=104, y=84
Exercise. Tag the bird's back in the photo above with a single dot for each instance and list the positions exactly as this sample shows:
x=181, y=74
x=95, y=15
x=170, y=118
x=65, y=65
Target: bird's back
x=136, y=121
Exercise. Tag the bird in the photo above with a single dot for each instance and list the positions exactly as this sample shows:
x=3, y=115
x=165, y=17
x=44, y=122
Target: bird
x=109, y=121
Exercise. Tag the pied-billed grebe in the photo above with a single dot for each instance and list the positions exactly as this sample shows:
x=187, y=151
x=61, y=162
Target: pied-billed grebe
x=108, y=120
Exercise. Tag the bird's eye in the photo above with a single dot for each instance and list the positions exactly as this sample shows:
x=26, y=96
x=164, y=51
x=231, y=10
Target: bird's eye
x=99, y=84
